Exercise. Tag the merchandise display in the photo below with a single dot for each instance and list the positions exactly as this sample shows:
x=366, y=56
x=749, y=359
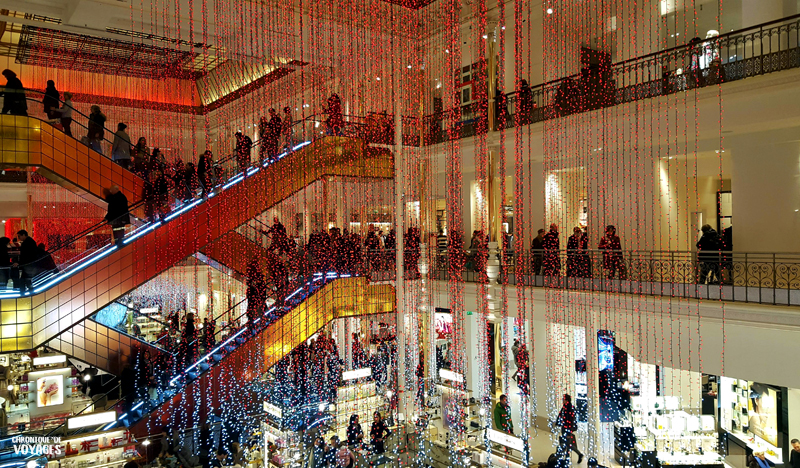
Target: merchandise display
x=749, y=412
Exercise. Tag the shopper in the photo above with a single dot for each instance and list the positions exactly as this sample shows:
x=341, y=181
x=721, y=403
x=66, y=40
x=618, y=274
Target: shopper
x=204, y=171
x=140, y=158
x=273, y=134
x=794, y=455
x=759, y=460
x=612, y=254
x=709, y=247
x=238, y=454
x=5, y=262
x=14, y=101
x=355, y=435
x=378, y=433
x=65, y=113
x=28, y=263
x=96, y=129
x=502, y=416
x=219, y=460
x=118, y=216
x=335, y=120
x=566, y=420
x=537, y=249
x=318, y=454
x=551, y=245
x=287, y=130
x=46, y=262
x=525, y=102
x=121, y=147
x=243, y=147
x=263, y=138
x=345, y=457
x=51, y=100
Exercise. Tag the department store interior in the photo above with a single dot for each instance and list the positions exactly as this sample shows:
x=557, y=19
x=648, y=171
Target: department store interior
x=400, y=233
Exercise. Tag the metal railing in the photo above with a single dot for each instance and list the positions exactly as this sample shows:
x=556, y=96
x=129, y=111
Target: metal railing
x=772, y=278
x=733, y=56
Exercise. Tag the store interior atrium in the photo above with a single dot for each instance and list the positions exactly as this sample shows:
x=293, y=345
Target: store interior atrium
x=399, y=233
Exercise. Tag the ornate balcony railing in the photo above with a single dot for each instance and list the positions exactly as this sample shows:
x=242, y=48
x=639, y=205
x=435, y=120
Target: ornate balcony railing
x=733, y=56
x=771, y=278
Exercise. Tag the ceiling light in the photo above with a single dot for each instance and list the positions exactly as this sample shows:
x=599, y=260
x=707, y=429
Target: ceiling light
x=446, y=51
x=10, y=387
x=549, y=11
x=378, y=78
x=485, y=36
x=408, y=66
x=503, y=28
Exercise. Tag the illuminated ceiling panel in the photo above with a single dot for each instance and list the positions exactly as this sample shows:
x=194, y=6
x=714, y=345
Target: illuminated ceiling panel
x=412, y=4
x=59, y=49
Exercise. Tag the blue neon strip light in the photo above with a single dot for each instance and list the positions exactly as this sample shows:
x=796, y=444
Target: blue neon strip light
x=75, y=270
x=209, y=354
x=137, y=406
x=143, y=232
x=235, y=180
x=184, y=209
x=253, y=170
x=305, y=143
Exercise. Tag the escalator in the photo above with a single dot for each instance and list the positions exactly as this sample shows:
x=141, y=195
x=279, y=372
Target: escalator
x=242, y=353
x=218, y=378
x=28, y=142
x=62, y=300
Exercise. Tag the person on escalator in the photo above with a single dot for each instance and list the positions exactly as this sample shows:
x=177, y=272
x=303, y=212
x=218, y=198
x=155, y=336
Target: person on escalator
x=14, y=101
x=65, y=114
x=46, y=263
x=51, y=100
x=274, y=134
x=121, y=147
x=29, y=256
x=118, y=215
x=256, y=292
x=335, y=120
x=96, y=126
x=5, y=263
x=140, y=157
x=287, y=130
x=204, y=171
x=243, y=147
x=156, y=192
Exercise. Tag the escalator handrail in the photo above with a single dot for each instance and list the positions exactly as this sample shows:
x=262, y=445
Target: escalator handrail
x=76, y=237
x=110, y=142
x=197, y=199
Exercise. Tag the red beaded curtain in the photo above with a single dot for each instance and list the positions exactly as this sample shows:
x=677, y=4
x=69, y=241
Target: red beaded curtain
x=614, y=160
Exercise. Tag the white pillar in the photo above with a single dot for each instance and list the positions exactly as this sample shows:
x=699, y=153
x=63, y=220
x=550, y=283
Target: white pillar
x=765, y=191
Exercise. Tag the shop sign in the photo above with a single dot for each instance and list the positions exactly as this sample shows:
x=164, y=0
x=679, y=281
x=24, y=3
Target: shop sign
x=357, y=374
x=32, y=445
x=450, y=375
x=273, y=410
x=506, y=439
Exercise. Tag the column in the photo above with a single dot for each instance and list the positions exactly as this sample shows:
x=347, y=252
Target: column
x=765, y=190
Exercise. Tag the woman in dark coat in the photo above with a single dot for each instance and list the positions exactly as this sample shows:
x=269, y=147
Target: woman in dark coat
x=51, y=100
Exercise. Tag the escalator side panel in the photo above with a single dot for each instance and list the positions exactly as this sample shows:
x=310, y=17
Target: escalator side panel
x=228, y=380
x=235, y=251
x=32, y=321
x=29, y=142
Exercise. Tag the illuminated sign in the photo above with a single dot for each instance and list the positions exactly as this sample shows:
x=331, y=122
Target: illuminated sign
x=94, y=419
x=46, y=360
x=506, y=439
x=450, y=375
x=273, y=410
x=357, y=374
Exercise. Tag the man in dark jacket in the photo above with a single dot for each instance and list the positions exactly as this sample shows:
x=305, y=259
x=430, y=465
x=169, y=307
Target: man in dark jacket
x=96, y=127
x=243, y=147
x=51, y=100
x=566, y=420
x=708, y=247
x=14, y=102
x=29, y=256
x=117, y=216
x=551, y=245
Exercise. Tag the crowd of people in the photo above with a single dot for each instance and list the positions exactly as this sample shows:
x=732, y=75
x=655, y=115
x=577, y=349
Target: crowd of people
x=21, y=260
